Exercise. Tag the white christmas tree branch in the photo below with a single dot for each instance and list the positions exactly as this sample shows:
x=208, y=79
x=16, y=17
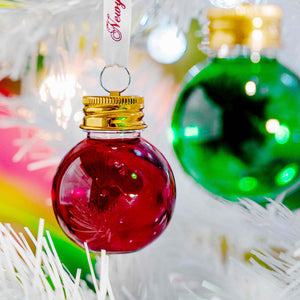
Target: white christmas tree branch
x=28, y=275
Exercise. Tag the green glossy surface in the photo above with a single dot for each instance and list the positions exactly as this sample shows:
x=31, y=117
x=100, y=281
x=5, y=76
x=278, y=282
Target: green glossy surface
x=292, y=200
x=236, y=128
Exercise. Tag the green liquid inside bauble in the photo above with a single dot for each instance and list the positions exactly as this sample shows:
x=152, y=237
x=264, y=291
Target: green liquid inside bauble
x=236, y=128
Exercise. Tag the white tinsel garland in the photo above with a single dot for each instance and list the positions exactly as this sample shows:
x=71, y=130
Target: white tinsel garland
x=40, y=274
x=59, y=32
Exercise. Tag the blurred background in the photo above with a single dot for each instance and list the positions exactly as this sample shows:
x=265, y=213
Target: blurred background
x=50, y=57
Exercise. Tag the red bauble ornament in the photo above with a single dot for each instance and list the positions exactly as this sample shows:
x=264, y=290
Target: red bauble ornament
x=114, y=190
x=10, y=88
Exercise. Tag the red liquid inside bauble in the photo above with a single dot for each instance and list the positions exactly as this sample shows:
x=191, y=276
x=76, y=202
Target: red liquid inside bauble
x=115, y=194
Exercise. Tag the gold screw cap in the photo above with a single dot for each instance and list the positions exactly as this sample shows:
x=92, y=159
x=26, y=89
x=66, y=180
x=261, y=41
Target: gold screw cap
x=113, y=112
x=257, y=27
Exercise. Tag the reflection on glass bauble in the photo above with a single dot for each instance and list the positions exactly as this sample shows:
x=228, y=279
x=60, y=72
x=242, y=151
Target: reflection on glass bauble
x=116, y=195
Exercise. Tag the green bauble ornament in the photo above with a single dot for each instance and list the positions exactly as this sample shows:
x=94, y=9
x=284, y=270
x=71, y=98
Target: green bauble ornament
x=292, y=201
x=237, y=128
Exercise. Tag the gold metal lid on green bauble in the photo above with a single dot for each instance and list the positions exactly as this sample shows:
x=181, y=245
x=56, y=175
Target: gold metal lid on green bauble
x=257, y=27
x=113, y=112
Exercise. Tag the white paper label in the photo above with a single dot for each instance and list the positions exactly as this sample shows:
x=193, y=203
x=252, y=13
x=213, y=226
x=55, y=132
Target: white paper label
x=116, y=31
